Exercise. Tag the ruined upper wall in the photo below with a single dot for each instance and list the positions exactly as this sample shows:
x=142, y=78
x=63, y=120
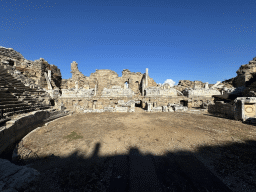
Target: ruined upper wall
x=9, y=53
x=183, y=84
x=31, y=69
x=105, y=78
x=76, y=74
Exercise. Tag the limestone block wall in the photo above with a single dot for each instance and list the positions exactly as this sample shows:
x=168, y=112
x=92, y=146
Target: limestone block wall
x=159, y=91
x=77, y=93
x=95, y=102
x=36, y=69
x=31, y=69
x=201, y=92
x=162, y=101
x=17, y=128
x=117, y=91
x=9, y=53
x=222, y=108
x=197, y=101
x=106, y=78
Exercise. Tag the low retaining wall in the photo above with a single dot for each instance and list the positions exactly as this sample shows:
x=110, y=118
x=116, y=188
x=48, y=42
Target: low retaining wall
x=17, y=128
x=222, y=108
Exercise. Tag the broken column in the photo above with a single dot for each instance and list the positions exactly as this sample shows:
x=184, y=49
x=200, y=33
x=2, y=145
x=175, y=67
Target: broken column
x=206, y=85
x=143, y=87
x=76, y=85
x=164, y=108
x=146, y=78
x=49, y=75
x=149, y=106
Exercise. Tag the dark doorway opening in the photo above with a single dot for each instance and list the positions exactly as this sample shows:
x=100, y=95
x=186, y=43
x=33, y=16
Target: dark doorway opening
x=11, y=62
x=52, y=102
x=137, y=103
x=184, y=103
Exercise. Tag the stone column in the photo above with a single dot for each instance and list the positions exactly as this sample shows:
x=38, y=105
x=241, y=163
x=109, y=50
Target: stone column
x=149, y=106
x=242, y=110
x=143, y=87
x=206, y=85
x=49, y=75
x=76, y=85
x=143, y=105
x=146, y=84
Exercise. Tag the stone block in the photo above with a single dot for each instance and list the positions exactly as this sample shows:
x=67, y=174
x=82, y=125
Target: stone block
x=108, y=109
x=179, y=108
x=149, y=106
x=170, y=109
x=121, y=102
x=121, y=109
x=131, y=109
x=164, y=108
x=157, y=109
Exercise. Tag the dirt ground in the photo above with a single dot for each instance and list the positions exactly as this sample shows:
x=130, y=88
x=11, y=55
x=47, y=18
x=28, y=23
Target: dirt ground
x=224, y=146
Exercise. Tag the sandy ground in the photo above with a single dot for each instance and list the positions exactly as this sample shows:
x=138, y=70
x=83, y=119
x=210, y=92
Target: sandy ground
x=226, y=147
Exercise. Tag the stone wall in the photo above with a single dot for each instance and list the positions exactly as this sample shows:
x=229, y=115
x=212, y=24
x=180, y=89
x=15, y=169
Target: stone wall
x=31, y=69
x=160, y=91
x=201, y=92
x=183, y=84
x=17, y=128
x=220, y=107
x=10, y=54
x=106, y=79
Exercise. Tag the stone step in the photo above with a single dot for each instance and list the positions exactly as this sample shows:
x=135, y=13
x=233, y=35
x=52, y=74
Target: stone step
x=8, y=114
x=17, y=109
x=9, y=77
x=5, y=75
x=6, y=95
x=9, y=102
x=12, y=106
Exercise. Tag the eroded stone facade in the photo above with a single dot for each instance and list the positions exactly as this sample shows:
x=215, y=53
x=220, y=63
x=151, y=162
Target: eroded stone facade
x=104, y=89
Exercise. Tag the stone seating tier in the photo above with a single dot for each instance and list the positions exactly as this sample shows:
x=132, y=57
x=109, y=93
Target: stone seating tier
x=16, y=97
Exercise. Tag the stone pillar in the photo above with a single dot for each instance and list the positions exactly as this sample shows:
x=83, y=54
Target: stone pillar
x=76, y=85
x=206, y=85
x=93, y=106
x=49, y=75
x=149, y=106
x=242, y=110
x=143, y=105
x=146, y=78
x=61, y=107
x=95, y=90
x=143, y=87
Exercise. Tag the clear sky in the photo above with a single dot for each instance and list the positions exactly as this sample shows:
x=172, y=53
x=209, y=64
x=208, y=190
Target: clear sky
x=205, y=40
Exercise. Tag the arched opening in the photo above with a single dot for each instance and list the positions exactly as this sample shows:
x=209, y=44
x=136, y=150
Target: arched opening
x=184, y=102
x=52, y=102
x=138, y=103
x=11, y=62
x=126, y=84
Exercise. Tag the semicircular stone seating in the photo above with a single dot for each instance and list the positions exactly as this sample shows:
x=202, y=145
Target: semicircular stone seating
x=16, y=98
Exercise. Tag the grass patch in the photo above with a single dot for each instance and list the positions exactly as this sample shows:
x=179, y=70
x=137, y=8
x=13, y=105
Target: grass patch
x=73, y=136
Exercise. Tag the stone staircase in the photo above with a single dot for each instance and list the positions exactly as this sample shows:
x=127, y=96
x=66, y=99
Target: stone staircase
x=17, y=98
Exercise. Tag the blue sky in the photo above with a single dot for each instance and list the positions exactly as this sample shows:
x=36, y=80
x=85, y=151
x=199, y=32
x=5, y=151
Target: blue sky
x=175, y=39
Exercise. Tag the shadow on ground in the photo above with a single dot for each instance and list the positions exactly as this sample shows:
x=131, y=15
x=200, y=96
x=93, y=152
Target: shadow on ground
x=173, y=171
